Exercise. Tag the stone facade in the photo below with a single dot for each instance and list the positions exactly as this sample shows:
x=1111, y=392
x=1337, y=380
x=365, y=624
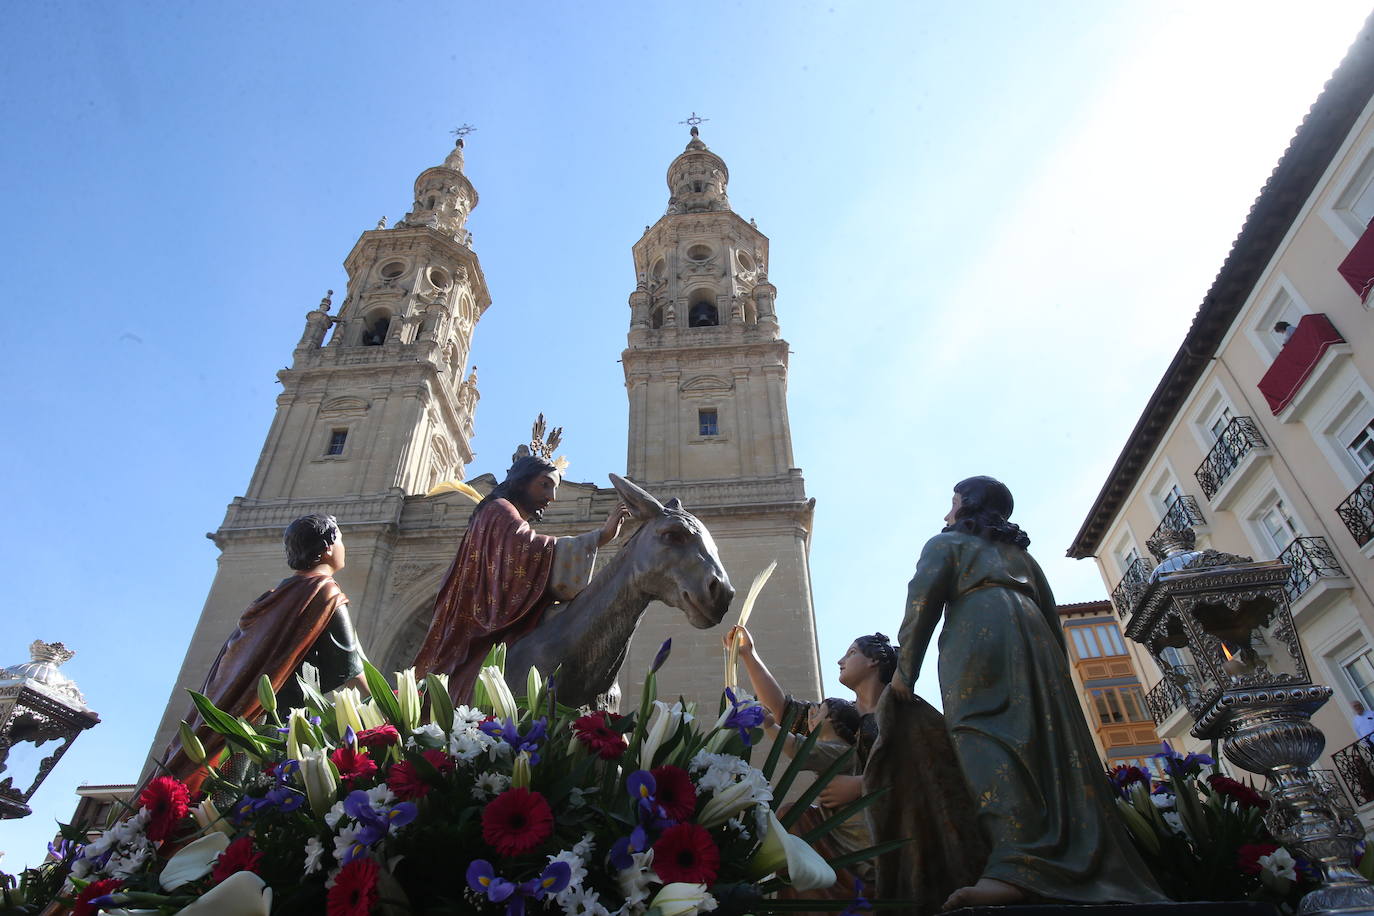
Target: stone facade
x=376, y=409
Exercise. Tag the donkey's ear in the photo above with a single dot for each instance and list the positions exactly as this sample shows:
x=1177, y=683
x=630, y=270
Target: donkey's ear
x=674, y=504
x=642, y=503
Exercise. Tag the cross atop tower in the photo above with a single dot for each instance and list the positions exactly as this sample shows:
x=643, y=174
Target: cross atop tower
x=692, y=121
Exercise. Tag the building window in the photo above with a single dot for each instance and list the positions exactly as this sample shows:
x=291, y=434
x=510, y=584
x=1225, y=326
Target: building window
x=1219, y=425
x=1117, y=705
x=1361, y=448
x=1097, y=641
x=656, y=318
x=1360, y=671
x=336, y=442
x=1279, y=525
x=707, y=423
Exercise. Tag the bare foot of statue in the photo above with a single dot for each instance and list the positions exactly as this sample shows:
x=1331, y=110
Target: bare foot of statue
x=987, y=892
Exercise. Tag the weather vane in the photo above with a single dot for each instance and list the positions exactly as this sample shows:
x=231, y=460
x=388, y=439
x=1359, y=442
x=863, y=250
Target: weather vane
x=462, y=131
x=692, y=121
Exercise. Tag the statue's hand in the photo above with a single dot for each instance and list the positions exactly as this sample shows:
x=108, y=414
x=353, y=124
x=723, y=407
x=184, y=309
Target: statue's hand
x=841, y=790
x=611, y=528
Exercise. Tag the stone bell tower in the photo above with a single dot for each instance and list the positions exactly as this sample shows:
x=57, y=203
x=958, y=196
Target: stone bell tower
x=366, y=424
x=706, y=374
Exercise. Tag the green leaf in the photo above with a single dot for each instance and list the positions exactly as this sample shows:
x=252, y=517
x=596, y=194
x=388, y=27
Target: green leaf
x=775, y=753
x=798, y=764
x=234, y=731
x=844, y=814
x=863, y=855
x=440, y=703
x=382, y=695
x=799, y=807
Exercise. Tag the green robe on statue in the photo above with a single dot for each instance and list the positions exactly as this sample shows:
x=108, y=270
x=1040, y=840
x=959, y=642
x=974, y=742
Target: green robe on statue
x=1043, y=803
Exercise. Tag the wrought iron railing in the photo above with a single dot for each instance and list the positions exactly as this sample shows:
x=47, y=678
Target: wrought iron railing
x=1355, y=763
x=1357, y=511
x=1235, y=442
x=1164, y=698
x=1132, y=584
x=1311, y=559
x=1184, y=513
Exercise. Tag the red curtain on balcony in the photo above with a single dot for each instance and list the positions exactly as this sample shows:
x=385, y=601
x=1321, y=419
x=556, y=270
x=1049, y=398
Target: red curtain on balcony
x=1297, y=359
x=1358, y=266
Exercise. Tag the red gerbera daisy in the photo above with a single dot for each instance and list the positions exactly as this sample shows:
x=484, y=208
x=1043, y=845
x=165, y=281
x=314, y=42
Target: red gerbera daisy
x=83, y=905
x=675, y=792
x=355, y=889
x=381, y=736
x=405, y=779
x=167, y=801
x=516, y=821
x=353, y=765
x=237, y=856
x=1242, y=793
x=686, y=853
x=595, y=731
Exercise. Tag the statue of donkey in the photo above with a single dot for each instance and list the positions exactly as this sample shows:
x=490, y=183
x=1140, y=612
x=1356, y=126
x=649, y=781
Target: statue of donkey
x=671, y=558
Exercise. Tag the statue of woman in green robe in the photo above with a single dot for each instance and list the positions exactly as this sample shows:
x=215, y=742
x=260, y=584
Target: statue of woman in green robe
x=1013, y=715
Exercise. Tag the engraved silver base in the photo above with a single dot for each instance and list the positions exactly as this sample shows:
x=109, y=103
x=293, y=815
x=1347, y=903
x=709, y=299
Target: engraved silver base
x=1281, y=743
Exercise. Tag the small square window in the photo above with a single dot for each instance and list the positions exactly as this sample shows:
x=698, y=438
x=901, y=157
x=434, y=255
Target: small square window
x=336, y=442
x=707, y=424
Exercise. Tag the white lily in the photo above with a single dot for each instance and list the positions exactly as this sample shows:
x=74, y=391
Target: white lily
x=191, y=744
x=664, y=723
x=371, y=715
x=679, y=899
x=498, y=693
x=321, y=782
x=241, y=894
x=520, y=771
x=533, y=684
x=208, y=818
x=780, y=850
x=408, y=698
x=299, y=737
x=732, y=799
x=193, y=861
x=346, y=701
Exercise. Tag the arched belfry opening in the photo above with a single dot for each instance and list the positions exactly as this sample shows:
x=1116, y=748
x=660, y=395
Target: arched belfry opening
x=703, y=314
x=375, y=328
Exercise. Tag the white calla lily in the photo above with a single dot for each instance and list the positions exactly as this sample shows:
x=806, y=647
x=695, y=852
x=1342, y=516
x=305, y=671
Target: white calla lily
x=241, y=894
x=193, y=861
x=806, y=869
x=498, y=693
x=679, y=899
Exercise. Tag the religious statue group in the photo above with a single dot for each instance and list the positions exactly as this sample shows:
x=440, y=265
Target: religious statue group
x=1001, y=797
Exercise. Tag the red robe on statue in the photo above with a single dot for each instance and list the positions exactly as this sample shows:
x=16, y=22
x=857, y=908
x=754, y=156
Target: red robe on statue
x=496, y=591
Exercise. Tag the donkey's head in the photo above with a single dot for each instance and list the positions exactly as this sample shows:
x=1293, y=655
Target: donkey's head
x=673, y=557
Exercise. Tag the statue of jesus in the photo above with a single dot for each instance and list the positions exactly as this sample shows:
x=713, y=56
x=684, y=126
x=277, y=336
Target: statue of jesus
x=506, y=574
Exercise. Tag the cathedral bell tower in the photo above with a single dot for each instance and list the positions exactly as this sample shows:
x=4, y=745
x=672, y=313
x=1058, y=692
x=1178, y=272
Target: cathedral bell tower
x=706, y=375
x=375, y=409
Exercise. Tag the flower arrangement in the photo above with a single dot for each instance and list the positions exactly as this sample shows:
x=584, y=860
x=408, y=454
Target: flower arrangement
x=1203, y=833
x=407, y=803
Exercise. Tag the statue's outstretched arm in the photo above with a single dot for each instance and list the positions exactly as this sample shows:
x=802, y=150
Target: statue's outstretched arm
x=926, y=595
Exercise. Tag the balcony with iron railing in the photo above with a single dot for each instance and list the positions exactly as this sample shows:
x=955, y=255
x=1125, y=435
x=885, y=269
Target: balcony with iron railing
x=1184, y=513
x=1357, y=511
x=1169, y=695
x=1311, y=559
x=1355, y=764
x=1131, y=586
x=1240, y=437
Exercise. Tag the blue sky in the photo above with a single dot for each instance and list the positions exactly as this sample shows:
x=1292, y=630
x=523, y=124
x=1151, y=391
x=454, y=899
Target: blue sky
x=990, y=224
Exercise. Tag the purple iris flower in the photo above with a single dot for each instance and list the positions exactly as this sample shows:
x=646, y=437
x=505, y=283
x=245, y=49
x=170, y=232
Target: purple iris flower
x=505, y=730
x=623, y=848
x=63, y=848
x=373, y=823
x=860, y=902
x=483, y=879
x=1180, y=766
x=743, y=718
x=663, y=652
x=553, y=880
